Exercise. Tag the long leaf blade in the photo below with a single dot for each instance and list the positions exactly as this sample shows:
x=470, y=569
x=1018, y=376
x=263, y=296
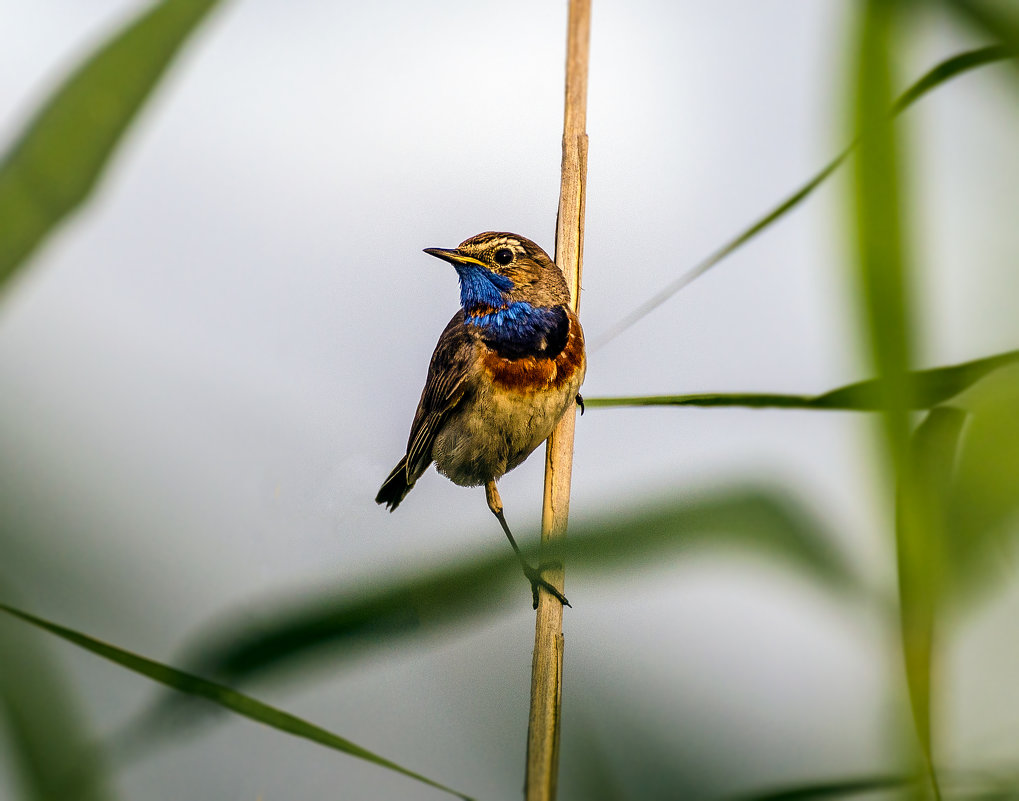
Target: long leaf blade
x=882, y=277
x=49, y=741
x=57, y=161
x=288, y=630
x=944, y=71
x=241, y=704
x=928, y=388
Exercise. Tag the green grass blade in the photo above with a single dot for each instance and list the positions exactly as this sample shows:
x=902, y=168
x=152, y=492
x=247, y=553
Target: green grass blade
x=937, y=75
x=882, y=280
x=58, y=159
x=49, y=743
x=833, y=789
x=928, y=388
x=992, y=18
x=922, y=538
x=394, y=610
x=239, y=703
x=984, y=500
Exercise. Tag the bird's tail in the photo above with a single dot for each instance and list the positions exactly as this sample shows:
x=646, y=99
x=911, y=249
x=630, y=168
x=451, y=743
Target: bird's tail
x=395, y=488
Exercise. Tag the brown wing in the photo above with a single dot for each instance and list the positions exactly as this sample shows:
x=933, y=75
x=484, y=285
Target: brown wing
x=447, y=384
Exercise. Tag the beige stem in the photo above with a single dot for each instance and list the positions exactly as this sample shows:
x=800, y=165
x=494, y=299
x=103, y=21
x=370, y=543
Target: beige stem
x=547, y=665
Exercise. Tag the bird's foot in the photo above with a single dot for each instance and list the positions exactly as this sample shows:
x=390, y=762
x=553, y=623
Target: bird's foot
x=580, y=403
x=534, y=576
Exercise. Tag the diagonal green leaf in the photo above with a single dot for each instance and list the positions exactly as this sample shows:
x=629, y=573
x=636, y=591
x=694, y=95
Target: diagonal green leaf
x=57, y=161
x=928, y=388
x=742, y=519
x=239, y=703
x=48, y=740
x=937, y=75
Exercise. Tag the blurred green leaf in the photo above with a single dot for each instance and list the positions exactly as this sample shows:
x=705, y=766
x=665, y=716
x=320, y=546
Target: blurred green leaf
x=880, y=258
x=381, y=610
x=937, y=75
x=883, y=281
x=833, y=789
x=49, y=743
x=223, y=696
x=984, y=497
x=927, y=388
x=922, y=531
x=998, y=19
x=57, y=161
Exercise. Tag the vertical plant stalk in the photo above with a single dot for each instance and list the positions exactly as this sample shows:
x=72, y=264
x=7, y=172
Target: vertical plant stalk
x=880, y=217
x=547, y=665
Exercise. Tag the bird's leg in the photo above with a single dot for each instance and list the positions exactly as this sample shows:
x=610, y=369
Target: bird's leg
x=533, y=574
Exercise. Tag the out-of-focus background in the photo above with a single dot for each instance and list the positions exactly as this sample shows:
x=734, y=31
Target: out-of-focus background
x=206, y=375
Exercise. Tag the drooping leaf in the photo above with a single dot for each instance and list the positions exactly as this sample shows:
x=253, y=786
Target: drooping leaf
x=54, y=165
x=928, y=388
x=223, y=696
x=937, y=75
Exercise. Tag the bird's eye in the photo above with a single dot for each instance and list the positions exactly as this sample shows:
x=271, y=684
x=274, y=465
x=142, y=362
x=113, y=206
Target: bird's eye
x=503, y=256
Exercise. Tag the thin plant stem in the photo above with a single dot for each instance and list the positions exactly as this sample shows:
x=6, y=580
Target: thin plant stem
x=547, y=666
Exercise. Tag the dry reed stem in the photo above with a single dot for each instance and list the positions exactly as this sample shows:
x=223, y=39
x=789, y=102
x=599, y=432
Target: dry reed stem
x=547, y=665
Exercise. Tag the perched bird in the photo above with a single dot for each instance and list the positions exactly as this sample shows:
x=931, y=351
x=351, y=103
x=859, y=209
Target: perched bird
x=504, y=371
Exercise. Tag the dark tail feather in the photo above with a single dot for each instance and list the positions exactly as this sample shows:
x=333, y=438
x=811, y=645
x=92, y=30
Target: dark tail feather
x=395, y=488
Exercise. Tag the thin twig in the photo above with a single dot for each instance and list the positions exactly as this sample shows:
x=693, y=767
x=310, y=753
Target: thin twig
x=547, y=666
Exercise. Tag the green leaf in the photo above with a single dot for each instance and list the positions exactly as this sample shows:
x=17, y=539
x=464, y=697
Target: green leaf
x=239, y=703
x=49, y=742
x=928, y=388
x=922, y=535
x=881, y=264
x=984, y=497
x=995, y=19
x=381, y=611
x=832, y=789
x=882, y=279
x=58, y=159
x=937, y=75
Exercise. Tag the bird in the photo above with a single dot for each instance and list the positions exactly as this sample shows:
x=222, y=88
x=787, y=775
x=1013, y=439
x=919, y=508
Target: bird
x=505, y=370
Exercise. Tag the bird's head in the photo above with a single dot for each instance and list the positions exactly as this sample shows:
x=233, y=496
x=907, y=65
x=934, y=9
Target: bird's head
x=496, y=269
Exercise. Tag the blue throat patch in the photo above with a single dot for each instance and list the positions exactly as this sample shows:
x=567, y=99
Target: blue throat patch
x=481, y=287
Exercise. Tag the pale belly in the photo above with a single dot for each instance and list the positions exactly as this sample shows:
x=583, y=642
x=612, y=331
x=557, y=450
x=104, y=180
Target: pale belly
x=496, y=431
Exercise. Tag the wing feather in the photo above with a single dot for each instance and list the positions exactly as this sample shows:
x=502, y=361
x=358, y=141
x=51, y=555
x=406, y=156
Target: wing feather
x=448, y=383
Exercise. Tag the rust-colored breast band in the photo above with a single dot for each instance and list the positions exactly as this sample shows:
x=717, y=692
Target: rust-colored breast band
x=530, y=374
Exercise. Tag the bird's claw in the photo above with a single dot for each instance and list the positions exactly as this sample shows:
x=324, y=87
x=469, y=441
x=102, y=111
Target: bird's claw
x=533, y=575
x=580, y=403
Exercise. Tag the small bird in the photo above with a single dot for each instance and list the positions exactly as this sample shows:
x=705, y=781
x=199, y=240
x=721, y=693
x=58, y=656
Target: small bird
x=504, y=371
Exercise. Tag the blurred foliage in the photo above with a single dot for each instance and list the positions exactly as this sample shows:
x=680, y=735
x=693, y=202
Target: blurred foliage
x=384, y=611
x=956, y=474
x=926, y=388
x=62, y=153
x=236, y=702
x=51, y=746
x=934, y=77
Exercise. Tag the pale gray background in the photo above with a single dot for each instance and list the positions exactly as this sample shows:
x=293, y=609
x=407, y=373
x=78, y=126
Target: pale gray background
x=205, y=376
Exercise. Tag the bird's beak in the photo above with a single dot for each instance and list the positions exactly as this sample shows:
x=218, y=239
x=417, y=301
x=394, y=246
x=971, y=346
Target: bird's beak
x=454, y=257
